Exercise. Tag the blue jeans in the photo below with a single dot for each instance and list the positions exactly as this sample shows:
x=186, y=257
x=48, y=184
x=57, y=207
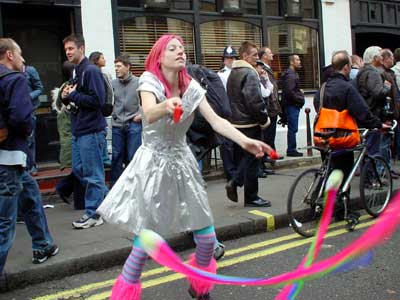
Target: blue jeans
x=386, y=142
x=106, y=158
x=31, y=162
x=125, y=142
x=87, y=165
x=19, y=190
x=373, y=140
x=292, y=113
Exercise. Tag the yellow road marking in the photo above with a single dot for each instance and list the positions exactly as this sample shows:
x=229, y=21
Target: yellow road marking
x=269, y=218
x=221, y=264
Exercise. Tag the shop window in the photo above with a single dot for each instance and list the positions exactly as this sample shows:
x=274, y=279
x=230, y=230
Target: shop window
x=208, y=5
x=216, y=35
x=390, y=14
x=250, y=7
x=272, y=7
x=288, y=39
x=173, y=4
x=375, y=12
x=137, y=36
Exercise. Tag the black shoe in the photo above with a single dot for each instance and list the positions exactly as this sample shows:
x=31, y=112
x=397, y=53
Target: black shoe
x=268, y=171
x=261, y=173
x=395, y=175
x=294, y=154
x=192, y=293
x=259, y=202
x=231, y=191
x=63, y=197
x=40, y=256
x=219, y=252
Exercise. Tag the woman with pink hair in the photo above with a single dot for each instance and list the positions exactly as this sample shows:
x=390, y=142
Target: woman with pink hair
x=162, y=188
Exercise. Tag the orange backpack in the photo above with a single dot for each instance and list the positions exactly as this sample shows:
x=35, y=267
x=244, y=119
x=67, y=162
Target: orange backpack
x=341, y=122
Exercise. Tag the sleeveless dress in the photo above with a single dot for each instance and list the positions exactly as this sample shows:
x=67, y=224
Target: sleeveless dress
x=161, y=189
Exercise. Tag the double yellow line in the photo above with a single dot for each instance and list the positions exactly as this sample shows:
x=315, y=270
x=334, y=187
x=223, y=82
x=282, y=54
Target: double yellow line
x=222, y=264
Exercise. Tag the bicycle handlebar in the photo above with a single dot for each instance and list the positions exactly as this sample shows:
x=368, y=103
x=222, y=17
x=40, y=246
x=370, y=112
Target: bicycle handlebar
x=367, y=130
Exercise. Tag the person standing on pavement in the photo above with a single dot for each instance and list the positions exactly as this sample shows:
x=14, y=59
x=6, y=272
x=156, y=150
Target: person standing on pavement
x=35, y=90
x=374, y=89
x=392, y=104
x=126, y=118
x=87, y=93
x=339, y=94
x=249, y=116
x=97, y=58
x=274, y=108
x=18, y=189
x=228, y=57
x=396, y=72
x=293, y=100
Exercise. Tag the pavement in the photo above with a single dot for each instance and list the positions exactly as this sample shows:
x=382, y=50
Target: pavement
x=106, y=246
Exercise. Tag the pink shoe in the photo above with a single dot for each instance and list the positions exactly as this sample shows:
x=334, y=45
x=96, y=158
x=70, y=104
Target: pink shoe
x=125, y=291
x=200, y=289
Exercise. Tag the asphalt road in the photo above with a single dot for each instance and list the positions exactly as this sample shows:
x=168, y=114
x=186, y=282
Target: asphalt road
x=262, y=255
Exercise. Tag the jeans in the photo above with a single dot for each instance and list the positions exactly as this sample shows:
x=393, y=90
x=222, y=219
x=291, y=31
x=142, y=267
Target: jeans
x=397, y=141
x=292, y=113
x=31, y=161
x=106, y=158
x=373, y=140
x=125, y=142
x=19, y=190
x=87, y=165
x=386, y=142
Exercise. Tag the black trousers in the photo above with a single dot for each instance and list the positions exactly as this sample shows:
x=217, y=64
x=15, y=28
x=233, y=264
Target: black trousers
x=228, y=161
x=269, y=133
x=248, y=166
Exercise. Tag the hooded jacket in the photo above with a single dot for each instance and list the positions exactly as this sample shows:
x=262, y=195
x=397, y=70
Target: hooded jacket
x=244, y=91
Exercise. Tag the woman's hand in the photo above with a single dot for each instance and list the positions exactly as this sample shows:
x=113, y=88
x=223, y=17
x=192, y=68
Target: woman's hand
x=171, y=103
x=256, y=147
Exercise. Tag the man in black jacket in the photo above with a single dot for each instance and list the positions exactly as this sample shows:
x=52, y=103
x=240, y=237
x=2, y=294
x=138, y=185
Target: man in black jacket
x=340, y=94
x=249, y=115
x=293, y=100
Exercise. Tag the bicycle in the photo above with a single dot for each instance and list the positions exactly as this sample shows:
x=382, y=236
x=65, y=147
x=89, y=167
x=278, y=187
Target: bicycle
x=307, y=191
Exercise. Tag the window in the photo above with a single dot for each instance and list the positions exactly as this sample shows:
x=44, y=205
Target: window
x=216, y=35
x=287, y=39
x=137, y=36
x=272, y=7
x=208, y=5
x=250, y=7
x=174, y=4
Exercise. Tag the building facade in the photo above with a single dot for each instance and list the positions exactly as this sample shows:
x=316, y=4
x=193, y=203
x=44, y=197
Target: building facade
x=313, y=29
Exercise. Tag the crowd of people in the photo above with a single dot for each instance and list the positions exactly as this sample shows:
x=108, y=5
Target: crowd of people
x=155, y=179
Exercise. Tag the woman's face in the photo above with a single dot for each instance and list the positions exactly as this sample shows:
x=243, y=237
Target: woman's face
x=174, y=57
x=102, y=61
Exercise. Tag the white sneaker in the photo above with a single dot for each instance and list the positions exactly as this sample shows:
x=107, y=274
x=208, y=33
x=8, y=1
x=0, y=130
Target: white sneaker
x=86, y=222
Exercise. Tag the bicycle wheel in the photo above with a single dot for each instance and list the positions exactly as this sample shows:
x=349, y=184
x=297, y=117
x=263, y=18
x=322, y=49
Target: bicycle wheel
x=304, y=209
x=375, y=185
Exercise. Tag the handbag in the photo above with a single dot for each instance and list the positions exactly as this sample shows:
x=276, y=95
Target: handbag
x=341, y=124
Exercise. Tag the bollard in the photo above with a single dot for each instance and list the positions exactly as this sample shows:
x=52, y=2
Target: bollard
x=308, y=128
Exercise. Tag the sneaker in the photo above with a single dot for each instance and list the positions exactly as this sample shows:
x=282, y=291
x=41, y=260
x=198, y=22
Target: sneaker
x=40, y=256
x=87, y=222
x=219, y=251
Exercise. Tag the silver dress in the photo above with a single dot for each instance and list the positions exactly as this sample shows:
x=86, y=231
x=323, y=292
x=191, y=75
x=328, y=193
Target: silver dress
x=161, y=189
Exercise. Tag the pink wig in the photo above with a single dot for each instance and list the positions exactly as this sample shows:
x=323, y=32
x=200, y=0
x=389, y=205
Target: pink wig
x=153, y=63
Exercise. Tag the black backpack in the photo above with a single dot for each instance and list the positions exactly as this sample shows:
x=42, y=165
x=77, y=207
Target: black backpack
x=201, y=136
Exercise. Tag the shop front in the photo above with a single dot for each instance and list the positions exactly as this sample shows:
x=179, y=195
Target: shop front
x=207, y=26
x=375, y=23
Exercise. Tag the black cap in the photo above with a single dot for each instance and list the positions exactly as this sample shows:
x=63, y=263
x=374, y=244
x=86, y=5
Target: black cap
x=229, y=51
